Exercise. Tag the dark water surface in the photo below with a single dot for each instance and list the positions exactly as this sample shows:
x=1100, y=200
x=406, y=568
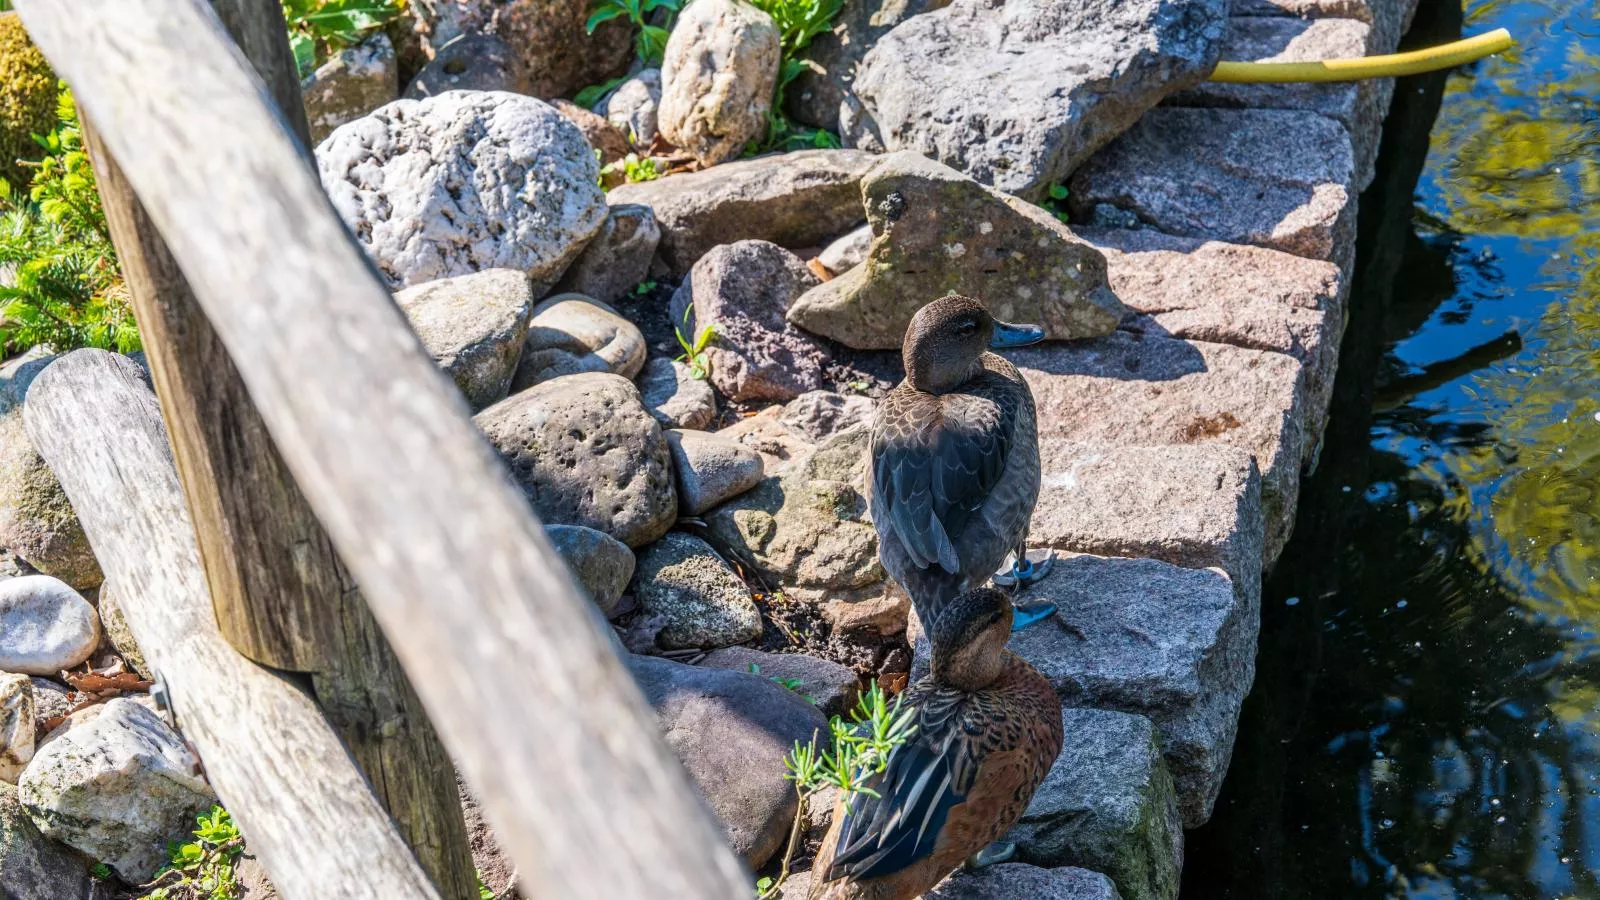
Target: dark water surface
x=1426, y=718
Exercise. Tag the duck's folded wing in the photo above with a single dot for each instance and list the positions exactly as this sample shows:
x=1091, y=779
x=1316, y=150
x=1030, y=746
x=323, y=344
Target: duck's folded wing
x=930, y=480
x=925, y=779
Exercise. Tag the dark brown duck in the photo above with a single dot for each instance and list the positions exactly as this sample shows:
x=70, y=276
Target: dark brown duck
x=955, y=459
x=988, y=730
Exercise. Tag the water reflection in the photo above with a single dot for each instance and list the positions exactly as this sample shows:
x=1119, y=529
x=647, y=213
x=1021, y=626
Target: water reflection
x=1426, y=722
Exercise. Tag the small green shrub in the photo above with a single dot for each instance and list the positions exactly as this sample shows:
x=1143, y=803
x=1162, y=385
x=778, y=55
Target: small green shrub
x=694, y=351
x=798, y=22
x=634, y=168
x=321, y=28
x=201, y=869
x=65, y=288
x=649, y=41
x=27, y=99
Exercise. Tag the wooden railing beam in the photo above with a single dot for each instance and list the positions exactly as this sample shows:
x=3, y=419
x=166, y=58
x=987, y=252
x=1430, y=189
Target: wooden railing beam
x=518, y=671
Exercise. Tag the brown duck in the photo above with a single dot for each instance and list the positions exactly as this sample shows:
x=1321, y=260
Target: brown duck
x=988, y=730
x=955, y=459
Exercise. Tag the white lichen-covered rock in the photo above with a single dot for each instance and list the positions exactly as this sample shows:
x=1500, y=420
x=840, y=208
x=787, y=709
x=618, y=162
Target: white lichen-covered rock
x=717, y=78
x=16, y=725
x=586, y=452
x=116, y=786
x=633, y=106
x=463, y=182
x=114, y=621
x=711, y=469
x=33, y=867
x=690, y=597
x=1017, y=94
x=473, y=326
x=356, y=81
x=45, y=626
x=571, y=333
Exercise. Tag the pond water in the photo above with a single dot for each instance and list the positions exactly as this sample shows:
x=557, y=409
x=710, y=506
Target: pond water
x=1426, y=718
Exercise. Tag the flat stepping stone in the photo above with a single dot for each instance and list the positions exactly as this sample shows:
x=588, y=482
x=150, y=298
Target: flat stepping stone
x=1197, y=506
x=1234, y=294
x=1107, y=805
x=1175, y=645
x=1274, y=178
x=1357, y=105
x=1132, y=390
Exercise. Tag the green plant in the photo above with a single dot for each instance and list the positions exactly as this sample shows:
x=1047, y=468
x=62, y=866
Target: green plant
x=694, y=352
x=483, y=890
x=203, y=867
x=634, y=168
x=1055, y=200
x=100, y=871
x=649, y=41
x=319, y=28
x=798, y=22
x=27, y=100
x=66, y=289
x=860, y=750
x=589, y=96
x=792, y=684
x=643, y=288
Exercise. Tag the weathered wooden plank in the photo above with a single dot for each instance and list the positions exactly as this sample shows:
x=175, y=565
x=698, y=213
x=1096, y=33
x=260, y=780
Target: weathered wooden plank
x=304, y=807
x=519, y=673
x=280, y=594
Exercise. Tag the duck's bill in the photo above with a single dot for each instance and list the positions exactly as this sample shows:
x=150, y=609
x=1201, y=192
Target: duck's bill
x=1009, y=335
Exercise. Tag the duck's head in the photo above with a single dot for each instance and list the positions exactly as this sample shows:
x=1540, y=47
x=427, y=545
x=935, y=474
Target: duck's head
x=968, y=637
x=948, y=337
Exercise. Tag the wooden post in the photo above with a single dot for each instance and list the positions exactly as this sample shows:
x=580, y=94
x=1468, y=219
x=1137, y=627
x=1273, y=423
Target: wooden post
x=517, y=669
x=302, y=804
x=281, y=595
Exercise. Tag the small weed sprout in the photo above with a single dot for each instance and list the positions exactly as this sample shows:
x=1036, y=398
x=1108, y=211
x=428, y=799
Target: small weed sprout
x=861, y=749
x=694, y=352
x=793, y=684
x=1055, y=200
x=643, y=288
x=201, y=869
x=633, y=167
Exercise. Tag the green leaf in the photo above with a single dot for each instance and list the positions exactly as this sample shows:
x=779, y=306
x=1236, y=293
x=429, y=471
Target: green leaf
x=651, y=43
x=602, y=15
x=305, y=52
x=1058, y=191
x=590, y=96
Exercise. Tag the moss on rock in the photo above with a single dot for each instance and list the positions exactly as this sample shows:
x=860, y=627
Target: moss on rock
x=27, y=99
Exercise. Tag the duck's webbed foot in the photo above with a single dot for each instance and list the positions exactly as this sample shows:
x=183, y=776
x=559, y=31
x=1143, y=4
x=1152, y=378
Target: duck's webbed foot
x=1025, y=614
x=994, y=854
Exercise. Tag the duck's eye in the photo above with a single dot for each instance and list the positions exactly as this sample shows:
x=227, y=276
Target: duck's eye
x=967, y=326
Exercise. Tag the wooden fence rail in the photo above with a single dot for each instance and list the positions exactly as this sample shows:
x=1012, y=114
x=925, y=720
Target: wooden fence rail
x=520, y=675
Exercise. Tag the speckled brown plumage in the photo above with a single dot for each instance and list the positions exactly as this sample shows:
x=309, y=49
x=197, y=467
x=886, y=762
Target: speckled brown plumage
x=960, y=783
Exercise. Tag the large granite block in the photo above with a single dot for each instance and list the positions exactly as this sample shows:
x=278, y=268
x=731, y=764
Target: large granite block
x=1233, y=294
x=1147, y=391
x=1142, y=636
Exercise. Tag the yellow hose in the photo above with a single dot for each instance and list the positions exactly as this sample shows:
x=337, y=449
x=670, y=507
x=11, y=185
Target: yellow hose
x=1442, y=57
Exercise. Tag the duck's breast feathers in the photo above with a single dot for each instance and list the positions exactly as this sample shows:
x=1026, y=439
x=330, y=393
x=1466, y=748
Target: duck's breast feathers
x=936, y=458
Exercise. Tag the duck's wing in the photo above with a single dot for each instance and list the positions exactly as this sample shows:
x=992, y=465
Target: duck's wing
x=934, y=461
x=926, y=778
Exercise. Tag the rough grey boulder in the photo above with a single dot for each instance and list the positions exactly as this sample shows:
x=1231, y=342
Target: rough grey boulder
x=731, y=731
x=818, y=415
x=602, y=136
x=37, y=522
x=354, y=82
x=847, y=252
x=809, y=530
x=717, y=78
x=1018, y=94
x=689, y=597
x=601, y=564
x=618, y=257
x=16, y=726
x=115, y=624
x=51, y=700
x=470, y=62
x=743, y=290
x=1181, y=171
x=632, y=108
x=116, y=786
x=1107, y=805
x=780, y=446
x=555, y=54
x=473, y=326
x=1168, y=391
x=462, y=182
x=817, y=94
x=826, y=685
x=1172, y=644
x=711, y=469
x=1235, y=294
x=570, y=334
x=33, y=867
x=1014, y=881
x=795, y=200
x=937, y=232
x=674, y=396
x=45, y=626
x=585, y=452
